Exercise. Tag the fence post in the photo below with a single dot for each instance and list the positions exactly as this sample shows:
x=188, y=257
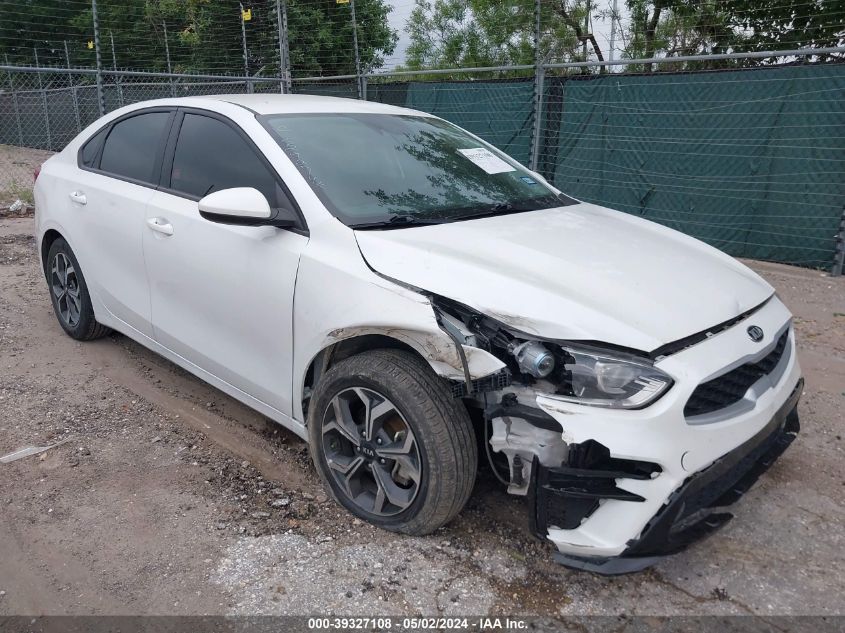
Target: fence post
x=15, y=103
x=839, y=254
x=43, y=100
x=614, y=15
x=284, y=45
x=118, y=82
x=357, y=54
x=73, y=94
x=586, y=28
x=101, y=101
x=539, y=75
x=167, y=58
x=246, y=54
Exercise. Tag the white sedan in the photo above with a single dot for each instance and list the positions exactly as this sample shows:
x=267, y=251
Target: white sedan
x=406, y=298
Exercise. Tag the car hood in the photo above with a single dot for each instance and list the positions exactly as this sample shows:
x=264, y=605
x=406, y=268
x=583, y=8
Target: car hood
x=579, y=272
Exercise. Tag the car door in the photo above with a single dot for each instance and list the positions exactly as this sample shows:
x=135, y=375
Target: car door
x=222, y=295
x=119, y=170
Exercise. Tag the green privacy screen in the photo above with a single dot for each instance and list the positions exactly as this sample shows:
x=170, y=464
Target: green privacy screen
x=750, y=161
x=497, y=111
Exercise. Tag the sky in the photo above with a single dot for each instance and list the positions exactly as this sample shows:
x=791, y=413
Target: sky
x=402, y=11
x=398, y=18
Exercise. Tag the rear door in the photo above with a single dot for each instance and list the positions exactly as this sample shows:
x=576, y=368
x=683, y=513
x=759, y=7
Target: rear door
x=119, y=171
x=222, y=296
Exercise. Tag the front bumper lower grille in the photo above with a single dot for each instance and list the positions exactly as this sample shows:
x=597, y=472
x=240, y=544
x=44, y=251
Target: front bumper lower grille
x=729, y=388
x=565, y=496
x=689, y=514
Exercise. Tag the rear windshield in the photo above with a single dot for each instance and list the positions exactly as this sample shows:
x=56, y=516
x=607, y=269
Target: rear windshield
x=370, y=168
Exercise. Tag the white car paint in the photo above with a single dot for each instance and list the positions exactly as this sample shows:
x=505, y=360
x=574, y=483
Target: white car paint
x=111, y=237
x=248, y=309
x=617, y=278
x=660, y=433
x=237, y=201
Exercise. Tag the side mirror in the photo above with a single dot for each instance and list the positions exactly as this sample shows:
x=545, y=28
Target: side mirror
x=243, y=206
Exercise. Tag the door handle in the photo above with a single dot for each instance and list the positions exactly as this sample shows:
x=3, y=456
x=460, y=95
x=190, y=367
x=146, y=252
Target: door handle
x=160, y=225
x=78, y=197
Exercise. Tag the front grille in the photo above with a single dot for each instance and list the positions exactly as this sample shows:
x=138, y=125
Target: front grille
x=729, y=388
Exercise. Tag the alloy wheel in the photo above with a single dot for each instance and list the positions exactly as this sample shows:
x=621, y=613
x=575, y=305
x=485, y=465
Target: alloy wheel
x=65, y=286
x=371, y=452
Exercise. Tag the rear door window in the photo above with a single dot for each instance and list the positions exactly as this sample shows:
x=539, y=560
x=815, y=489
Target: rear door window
x=210, y=155
x=131, y=148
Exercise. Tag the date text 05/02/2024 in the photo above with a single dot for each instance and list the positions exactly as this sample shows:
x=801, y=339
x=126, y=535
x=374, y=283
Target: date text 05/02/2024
x=418, y=624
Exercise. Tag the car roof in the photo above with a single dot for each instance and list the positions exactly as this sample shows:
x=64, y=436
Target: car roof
x=289, y=104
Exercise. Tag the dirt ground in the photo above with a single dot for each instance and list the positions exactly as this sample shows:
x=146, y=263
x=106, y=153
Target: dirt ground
x=169, y=497
x=17, y=165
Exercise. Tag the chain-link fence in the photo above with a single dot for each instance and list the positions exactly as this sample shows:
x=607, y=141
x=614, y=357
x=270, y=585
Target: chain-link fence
x=750, y=161
x=743, y=150
x=41, y=110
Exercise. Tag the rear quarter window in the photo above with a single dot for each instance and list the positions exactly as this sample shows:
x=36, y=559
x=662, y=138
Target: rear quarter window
x=89, y=152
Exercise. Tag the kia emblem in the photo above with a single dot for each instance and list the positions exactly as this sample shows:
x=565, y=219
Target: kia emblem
x=755, y=333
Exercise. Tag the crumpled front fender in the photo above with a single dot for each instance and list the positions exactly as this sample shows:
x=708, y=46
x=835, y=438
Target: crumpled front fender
x=324, y=316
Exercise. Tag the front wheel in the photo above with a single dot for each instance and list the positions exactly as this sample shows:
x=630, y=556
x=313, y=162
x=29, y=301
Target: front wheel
x=391, y=443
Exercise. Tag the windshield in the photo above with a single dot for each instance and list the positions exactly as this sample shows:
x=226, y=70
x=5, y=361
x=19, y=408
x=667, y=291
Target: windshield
x=373, y=170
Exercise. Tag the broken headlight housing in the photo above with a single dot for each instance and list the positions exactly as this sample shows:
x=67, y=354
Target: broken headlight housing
x=602, y=378
x=575, y=372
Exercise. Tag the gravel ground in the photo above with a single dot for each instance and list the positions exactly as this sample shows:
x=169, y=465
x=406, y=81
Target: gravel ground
x=168, y=497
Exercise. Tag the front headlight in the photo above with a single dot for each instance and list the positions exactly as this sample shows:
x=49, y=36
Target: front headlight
x=607, y=379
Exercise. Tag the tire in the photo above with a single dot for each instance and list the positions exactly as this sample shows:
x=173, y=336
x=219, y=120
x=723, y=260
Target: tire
x=69, y=294
x=432, y=481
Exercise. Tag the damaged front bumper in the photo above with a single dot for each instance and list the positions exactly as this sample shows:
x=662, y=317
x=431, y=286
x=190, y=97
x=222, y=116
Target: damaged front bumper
x=565, y=496
x=636, y=485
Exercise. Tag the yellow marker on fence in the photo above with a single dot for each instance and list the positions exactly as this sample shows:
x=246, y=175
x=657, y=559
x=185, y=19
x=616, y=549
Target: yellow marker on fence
x=246, y=14
x=90, y=44
x=342, y=1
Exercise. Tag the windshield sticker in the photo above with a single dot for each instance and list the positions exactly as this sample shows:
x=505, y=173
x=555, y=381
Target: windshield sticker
x=487, y=160
x=528, y=180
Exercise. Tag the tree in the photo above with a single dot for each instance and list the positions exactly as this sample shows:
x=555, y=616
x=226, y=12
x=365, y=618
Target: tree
x=694, y=27
x=761, y=25
x=471, y=33
x=202, y=35
x=322, y=37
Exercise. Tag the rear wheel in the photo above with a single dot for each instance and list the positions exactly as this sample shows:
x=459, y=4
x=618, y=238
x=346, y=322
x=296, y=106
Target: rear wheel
x=391, y=443
x=69, y=294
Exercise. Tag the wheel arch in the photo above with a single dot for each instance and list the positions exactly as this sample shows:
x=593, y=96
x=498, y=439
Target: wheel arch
x=337, y=350
x=47, y=240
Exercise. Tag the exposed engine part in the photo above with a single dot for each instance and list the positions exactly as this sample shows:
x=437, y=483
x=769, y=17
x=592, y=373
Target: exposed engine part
x=521, y=442
x=494, y=382
x=533, y=358
x=517, y=471
x=456, y=329
x=529, y=362
x=510, y=406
